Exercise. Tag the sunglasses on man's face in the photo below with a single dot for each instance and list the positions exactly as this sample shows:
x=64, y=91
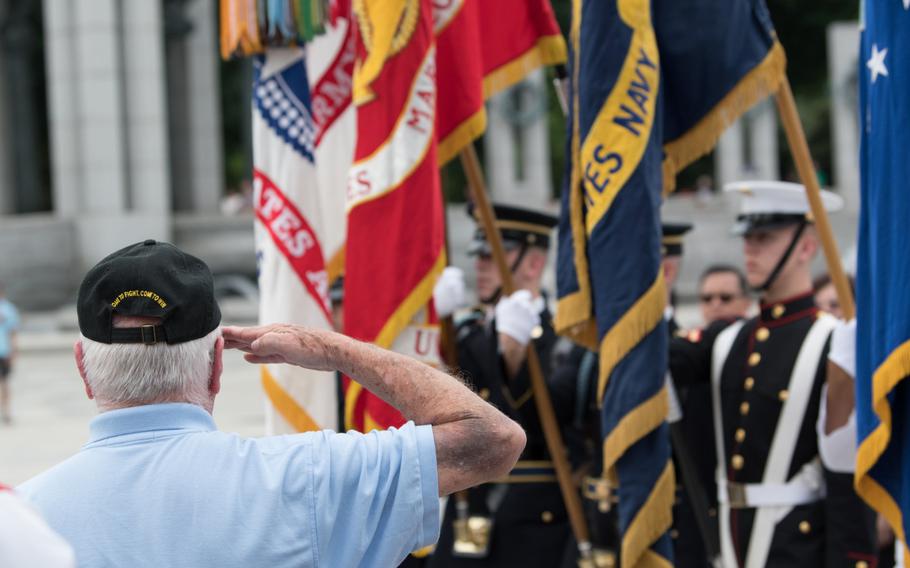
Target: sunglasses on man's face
x=723, y=297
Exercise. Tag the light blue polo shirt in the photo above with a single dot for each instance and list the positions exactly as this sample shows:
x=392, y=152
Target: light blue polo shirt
x=9, y=323
x=160, y=486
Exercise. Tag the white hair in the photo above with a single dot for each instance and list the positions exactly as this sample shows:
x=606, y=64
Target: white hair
x=129, y=374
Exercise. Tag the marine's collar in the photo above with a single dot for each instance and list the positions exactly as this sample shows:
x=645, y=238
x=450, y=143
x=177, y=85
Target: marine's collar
x=793, y=308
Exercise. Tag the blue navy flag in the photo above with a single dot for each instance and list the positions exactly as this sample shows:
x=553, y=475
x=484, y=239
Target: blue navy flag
x=611, y=288
x=647, y=77
x=720, y=57
x=883, y=271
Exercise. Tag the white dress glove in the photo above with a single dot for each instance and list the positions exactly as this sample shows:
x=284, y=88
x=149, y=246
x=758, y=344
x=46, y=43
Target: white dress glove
x=449, y=292
x=843, y=346
x=837, y=449
x=517, y=316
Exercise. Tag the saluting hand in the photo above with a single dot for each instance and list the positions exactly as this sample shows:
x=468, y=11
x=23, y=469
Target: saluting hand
x=283, y=343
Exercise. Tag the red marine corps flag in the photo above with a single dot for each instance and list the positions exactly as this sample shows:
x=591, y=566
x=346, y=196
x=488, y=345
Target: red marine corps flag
x=462, y=117
x=518, y=36
x=483, y=48
x=394, y=250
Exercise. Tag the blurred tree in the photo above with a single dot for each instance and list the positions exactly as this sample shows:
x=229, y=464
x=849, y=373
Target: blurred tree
x=236, y=85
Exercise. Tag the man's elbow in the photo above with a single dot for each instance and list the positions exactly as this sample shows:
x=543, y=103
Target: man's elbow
x=509, y=442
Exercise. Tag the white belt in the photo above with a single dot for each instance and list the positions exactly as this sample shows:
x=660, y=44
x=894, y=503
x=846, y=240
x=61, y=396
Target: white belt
x=747, y=495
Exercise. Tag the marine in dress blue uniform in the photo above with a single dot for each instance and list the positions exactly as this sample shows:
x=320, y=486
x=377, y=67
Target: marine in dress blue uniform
x=778, y=505
x=520, y=521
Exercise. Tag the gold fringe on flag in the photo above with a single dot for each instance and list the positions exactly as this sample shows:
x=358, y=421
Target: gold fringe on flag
x=653, y=520
x=894, y=370
x=765, y=79
x=549, y=50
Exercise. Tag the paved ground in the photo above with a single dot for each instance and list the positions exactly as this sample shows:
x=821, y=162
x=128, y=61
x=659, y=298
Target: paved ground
x=51, y=412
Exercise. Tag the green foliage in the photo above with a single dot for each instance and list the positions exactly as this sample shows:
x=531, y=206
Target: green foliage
x=802, y=29
x=454, y=181
x=236, y=82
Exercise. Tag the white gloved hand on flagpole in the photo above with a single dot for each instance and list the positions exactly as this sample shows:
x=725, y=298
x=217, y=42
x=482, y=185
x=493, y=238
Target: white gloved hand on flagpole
x=449, y=292
x=843, y=346
x=517, y=316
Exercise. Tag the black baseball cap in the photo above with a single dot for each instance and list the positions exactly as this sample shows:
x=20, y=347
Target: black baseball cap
x=151, y=279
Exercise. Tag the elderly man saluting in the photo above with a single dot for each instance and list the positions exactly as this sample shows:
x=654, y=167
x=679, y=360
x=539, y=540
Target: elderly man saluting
x=158, y=485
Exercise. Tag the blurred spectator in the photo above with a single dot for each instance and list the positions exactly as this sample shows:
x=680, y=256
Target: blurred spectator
x=826, y=295
x=238, y=201
x=9, y=324
x=704, y=188
x=723, y=294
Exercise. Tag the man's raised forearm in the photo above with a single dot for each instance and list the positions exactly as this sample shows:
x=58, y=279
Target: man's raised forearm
x=420, y=392
x=475, y=442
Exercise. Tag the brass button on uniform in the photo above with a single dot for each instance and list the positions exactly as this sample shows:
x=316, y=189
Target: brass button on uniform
x=862, y=564
x=484, y=394
x=536, y=332
x=777, y=311
x=805, y=527
x=749, y=383
x=762, y=334
x=783, y=395
x=744, y=408
x=740, y=435
x=737, y=462
x=754, y=359
x=546, y=517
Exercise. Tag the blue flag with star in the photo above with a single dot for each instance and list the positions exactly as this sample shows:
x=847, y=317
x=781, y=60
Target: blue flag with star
x=883, y=263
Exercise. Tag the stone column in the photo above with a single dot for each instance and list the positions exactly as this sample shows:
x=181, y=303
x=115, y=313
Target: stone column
x=145, y=109
x=499, y=150
x=764, y=160
x=195, y=110
x=63, y=104
x=748, y=148
x=204, y=101
x=843, y=46
x=105, y=82
x=536, y=181
x=729, y=162
x=100, y=113
x=517, y=153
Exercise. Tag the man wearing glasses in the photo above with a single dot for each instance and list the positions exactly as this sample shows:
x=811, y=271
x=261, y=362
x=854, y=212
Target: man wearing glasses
x=723, y=294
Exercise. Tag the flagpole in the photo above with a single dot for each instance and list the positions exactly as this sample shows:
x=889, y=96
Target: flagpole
x=799, y=149
x=449, y=348
x=477, y=185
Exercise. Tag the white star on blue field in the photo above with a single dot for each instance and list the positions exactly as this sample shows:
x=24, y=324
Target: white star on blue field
x=876, y=63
